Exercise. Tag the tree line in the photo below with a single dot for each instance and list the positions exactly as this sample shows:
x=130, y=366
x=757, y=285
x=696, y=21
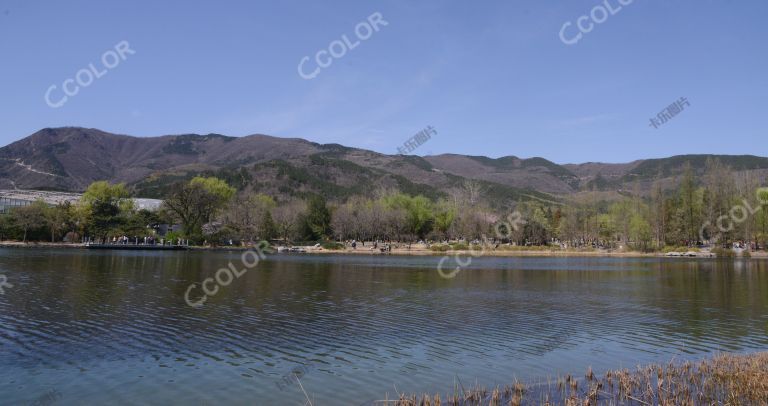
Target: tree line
x=103, y=210
x=209, y=210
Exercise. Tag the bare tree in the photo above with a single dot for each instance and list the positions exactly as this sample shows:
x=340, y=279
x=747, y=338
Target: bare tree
x=250, y=216
x=472, y=191
x=343, y=221
x=286, y=217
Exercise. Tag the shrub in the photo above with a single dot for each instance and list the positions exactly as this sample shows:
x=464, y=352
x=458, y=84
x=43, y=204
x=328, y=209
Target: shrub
x=524, y=248
x=439, y=247
x=679, y=248
x=332, y=245
x=723, y=252
x=172, y=236
x=459, y=246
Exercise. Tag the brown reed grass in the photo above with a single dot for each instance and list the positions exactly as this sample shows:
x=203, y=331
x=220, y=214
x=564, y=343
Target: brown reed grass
x=725, y=379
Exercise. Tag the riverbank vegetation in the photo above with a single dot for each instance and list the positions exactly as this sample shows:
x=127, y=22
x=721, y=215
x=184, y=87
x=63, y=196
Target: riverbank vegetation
x=103, y=210
x=722, y=380
x=211, y=211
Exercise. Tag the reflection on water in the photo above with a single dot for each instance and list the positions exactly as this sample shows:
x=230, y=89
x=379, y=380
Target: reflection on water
x=102, y=327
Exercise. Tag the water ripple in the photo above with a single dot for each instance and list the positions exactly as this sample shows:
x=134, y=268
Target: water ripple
x=113, y=327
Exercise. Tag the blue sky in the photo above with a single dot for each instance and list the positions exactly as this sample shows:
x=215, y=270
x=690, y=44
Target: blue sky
x=492, y=77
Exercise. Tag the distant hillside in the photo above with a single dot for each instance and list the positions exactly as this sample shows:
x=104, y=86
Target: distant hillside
x=533, y=173
x=69, y=159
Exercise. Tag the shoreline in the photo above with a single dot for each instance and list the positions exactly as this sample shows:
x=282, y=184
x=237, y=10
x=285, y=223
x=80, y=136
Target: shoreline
x=421, y=251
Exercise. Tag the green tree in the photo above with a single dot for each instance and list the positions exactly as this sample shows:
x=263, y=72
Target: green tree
x=140, y=223
x=762, y=216
x=31, y=217
x=316, y=222
x=542, y=217
x=81, y=217
x=640, y=231
x=105, y=202
x=268, y=226
x=568, y=230
x=7, y=229
x=719, y=196
x=691, y=204
x=58, y=218
x=196, y=202
x=658, y=216
x=445, y=215
x=419, y=217
x=621, y=214
x=606, y=227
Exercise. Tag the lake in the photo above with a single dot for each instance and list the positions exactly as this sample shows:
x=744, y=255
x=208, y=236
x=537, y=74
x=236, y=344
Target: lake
x=113, y=327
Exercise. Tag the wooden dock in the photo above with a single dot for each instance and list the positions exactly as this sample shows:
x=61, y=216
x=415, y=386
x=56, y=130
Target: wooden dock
x=145, y=247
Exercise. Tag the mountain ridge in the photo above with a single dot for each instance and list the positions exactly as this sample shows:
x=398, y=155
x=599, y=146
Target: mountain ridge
x=70, y=158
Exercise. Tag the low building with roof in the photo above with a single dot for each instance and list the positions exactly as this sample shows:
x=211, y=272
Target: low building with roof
x=10, y=199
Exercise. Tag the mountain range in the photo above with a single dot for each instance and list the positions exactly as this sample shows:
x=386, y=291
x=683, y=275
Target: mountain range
x=70, y=158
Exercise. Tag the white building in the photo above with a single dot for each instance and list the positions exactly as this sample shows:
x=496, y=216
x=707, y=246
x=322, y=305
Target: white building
x=18, y=198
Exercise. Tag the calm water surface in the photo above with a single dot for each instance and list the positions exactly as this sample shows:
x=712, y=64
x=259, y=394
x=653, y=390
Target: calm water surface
x=113, y=327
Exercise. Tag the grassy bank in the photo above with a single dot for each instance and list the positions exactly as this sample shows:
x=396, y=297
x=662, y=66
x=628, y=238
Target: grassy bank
x=722, y=380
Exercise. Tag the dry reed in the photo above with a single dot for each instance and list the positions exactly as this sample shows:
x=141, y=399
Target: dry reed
x=722, y=380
